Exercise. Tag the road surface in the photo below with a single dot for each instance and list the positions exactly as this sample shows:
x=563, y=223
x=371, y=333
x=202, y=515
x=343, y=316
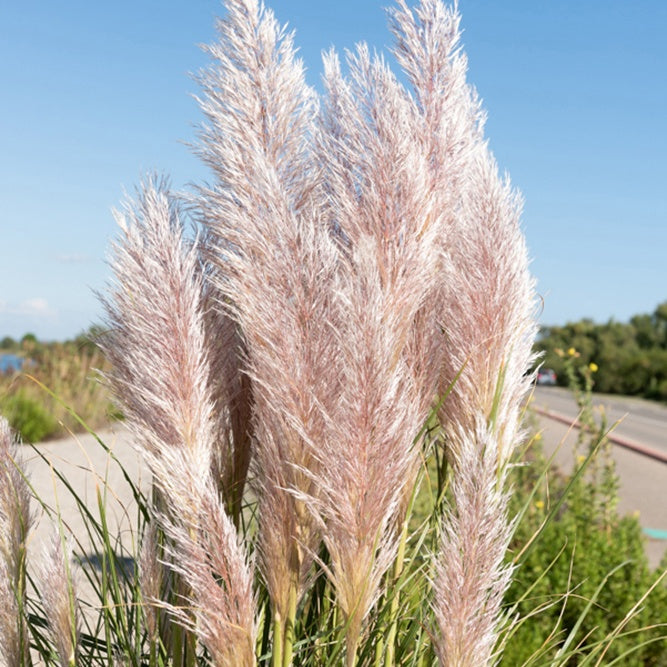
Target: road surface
x=88, y=468
x=643, y=479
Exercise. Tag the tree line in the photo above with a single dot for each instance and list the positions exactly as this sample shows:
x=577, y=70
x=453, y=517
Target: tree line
x=631, y=357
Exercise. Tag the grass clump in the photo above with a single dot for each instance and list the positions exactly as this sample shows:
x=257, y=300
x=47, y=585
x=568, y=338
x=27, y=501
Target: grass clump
x=359, y=272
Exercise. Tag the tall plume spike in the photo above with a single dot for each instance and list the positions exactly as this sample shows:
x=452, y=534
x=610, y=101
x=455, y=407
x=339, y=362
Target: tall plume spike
x=274, y=270
x=158, y=346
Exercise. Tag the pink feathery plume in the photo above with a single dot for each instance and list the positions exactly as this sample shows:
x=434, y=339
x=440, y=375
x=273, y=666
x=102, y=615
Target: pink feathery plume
x=58, y=590
x=489, y=328
x=157, y=343
x=381, y=210
x=489, y=311
x=488, y=316
x=151, y=580
x=274, y=267
x=484, y=305
x=485, y=300
x=205, y=550
x=449, y=124
x=470, y=575
x=232, y=393
x=15, y=523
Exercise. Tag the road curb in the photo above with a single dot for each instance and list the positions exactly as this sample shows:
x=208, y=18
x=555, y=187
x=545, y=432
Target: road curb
x=637, y=447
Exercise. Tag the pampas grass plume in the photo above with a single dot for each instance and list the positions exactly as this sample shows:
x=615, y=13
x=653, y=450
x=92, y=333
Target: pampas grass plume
x=15, y=523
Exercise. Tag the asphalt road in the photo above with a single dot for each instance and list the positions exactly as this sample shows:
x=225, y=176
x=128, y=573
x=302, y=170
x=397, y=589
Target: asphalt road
x=642, y=421
x=88, y=467
x=89, y=470
x=643, y=480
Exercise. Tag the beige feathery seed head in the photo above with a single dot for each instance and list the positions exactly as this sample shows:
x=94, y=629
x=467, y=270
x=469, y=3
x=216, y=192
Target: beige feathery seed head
x=204, y=550
x=470, y=575
x=57, y=586
x=486, y=299
x=427, y=45
x=15, y=516
x=15, y=523
x=274, y=267
x=449, y=123
x=156, y=340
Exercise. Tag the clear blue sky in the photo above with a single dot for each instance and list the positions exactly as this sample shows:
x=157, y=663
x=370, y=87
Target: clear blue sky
x=96, y=94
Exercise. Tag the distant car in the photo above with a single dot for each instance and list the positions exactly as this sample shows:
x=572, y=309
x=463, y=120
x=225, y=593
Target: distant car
x=546, y=376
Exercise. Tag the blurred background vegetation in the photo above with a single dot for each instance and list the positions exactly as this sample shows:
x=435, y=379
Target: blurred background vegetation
x=632, y=356
x=54, y=378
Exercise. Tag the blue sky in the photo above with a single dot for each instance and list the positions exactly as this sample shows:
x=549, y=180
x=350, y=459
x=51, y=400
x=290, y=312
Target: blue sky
x=95, y=94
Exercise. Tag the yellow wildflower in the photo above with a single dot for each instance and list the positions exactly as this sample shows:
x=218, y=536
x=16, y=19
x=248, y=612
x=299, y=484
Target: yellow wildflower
x=593, y=367
x=580, y=459
x=539, y=504
x=571, y=351
x=537, y=437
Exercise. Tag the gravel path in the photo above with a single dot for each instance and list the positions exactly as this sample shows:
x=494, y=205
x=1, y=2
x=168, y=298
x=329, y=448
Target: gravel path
x=89, y=469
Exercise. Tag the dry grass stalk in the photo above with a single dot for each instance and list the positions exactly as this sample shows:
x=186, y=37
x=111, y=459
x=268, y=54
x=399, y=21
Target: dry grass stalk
x=274, y=267
x=15, y=523
x=57, y=588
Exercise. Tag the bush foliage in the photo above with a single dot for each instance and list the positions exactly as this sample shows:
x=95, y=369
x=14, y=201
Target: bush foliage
x=632, y=356
x=589, y=567
x=28, y=417
x=585, y=553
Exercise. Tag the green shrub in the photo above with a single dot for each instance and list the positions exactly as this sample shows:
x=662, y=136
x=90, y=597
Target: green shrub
x=577, y=551
x=28, y=417
x=68, y=371
x=585, y=552
x=632, y=356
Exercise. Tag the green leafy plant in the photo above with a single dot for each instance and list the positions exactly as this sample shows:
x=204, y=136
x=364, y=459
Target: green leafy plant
x=589, y=567
x=28, y=417
x=632, y=355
